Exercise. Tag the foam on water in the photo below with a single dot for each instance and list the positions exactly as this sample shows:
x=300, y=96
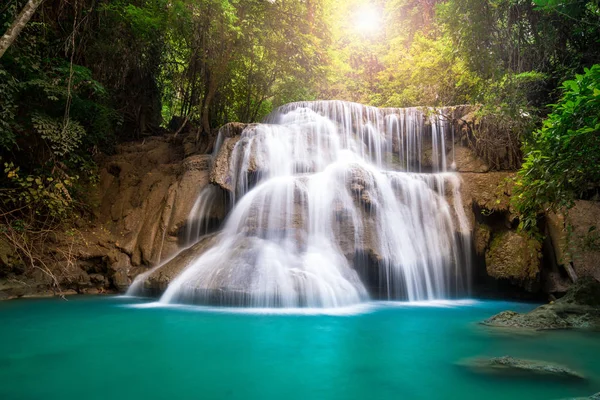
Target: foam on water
x=356, y=309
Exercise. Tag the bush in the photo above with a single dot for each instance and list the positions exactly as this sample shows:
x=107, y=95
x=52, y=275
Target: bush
x=562, y=161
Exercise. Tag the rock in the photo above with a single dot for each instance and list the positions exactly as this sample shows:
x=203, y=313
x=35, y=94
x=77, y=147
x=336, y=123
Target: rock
x=482, y=234
x=578, y=309
x=463, y=159
x=515, y=257
x=97, y=279
x=119, y=261
x=510, y=366
x=583, y=220
x=197, y=163
x=120, y=280
x=7, y=253
x=488, y=193
x=555, y=223
x=592, y=397
x=220, y=173
x=146, y=191
x=157, y=281
x=585, y=292
x=541, y=318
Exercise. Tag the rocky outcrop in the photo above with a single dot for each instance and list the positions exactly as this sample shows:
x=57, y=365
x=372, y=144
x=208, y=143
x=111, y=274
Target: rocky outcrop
x=516, y=257
x=488, y=195
x=575, y=239
x=140, y=208
x=463, y=159
x=517, y=367
x=221, y=173
x=158, y=280
x=578, y=309
x=147, y=191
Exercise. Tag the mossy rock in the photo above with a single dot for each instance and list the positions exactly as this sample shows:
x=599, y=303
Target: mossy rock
x=578, y=309
x=510, y=366
x=481, y=236
x=514, y=256
x=585, y=292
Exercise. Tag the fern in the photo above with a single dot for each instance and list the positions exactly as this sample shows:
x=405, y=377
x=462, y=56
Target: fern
x=62, y=136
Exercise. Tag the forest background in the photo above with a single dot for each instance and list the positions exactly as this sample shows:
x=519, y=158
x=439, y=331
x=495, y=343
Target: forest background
x=86, y=75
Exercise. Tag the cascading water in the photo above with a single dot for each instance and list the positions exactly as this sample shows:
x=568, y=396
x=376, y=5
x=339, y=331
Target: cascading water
x=331, y=204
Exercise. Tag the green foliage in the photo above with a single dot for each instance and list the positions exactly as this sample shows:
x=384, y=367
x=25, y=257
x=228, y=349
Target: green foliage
x=8, y=108
x=234, y=61
x=562, y=161
x=53, y=114
x=429, y=73
x=43, y=195
x=591, y=240
x=62, y=136
x=83, y=76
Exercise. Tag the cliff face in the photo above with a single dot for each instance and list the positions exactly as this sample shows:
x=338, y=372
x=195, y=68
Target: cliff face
x=507, y=262
x=140, y=207
x=147, y=190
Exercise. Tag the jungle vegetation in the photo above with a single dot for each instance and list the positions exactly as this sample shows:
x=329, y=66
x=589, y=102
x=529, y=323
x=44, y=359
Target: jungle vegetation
x=85, y=75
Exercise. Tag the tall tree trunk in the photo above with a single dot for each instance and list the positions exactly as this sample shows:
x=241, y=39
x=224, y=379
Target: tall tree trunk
x=210, y=93
x=18, y=24
x=204, y=137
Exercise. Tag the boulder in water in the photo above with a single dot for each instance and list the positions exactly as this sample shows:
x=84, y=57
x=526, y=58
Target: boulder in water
x=510, y=366
x=578, y=309
x=595, y=396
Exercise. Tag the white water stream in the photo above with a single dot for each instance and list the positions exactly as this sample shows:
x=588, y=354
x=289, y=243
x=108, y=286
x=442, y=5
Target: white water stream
x=317, y=188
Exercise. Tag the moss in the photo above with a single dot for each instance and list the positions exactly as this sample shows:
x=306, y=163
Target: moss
x=586, y=291
x=482, y=238
x=513, y=256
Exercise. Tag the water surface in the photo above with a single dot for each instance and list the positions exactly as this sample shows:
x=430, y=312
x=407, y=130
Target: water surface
x=124, y=348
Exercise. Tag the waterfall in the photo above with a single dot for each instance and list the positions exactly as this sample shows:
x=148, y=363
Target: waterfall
x=334, y=203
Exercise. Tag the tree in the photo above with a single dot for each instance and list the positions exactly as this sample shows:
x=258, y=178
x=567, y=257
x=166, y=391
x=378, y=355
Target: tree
x=17, y=26
x=562, y=161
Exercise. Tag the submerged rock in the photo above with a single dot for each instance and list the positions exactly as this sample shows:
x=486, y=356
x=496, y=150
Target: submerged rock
x=592, y=397
x=578, y=309
x=510, y=366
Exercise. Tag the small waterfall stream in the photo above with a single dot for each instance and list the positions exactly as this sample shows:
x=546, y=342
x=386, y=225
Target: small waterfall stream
x=334, y=202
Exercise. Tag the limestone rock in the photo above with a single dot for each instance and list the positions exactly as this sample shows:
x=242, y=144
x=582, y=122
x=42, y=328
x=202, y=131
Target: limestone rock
x=220, y=174
x=515, y=257
x=592, y=397
x=555, y=223
x=463, y=159
x=120, y=280
x=540, y=319
x=584, y=240
x=482, y=235
x=158, y=280
x=489, y=193
x=148, y=190
x=510, y=366
x=97, y=279
x=585, y=292
x=578, y=309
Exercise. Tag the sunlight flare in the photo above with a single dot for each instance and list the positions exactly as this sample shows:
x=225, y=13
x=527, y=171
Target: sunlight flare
x=368, y=19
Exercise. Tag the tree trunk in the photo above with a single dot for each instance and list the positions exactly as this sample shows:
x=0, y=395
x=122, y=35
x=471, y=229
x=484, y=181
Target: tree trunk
x=18, y=24
x=210, y=93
